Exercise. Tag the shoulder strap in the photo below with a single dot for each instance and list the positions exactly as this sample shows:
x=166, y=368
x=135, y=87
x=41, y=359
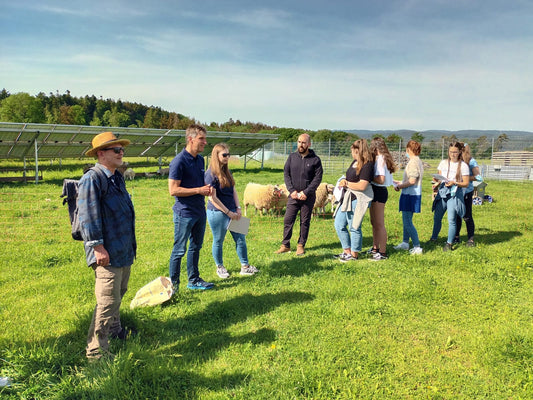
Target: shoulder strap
x=103, y=179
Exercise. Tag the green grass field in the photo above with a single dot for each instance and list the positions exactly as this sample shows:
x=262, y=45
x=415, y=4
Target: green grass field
x=452, y=325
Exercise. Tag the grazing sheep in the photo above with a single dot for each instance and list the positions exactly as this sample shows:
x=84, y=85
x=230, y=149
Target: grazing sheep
x=323, y=197
x=283, y=197
x=262, y=197
x=129, y=174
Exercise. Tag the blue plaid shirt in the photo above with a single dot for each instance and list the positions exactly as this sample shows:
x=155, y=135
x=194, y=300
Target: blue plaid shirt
x=109, y=221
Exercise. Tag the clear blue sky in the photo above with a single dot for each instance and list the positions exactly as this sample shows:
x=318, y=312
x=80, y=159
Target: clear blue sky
x=410, y=64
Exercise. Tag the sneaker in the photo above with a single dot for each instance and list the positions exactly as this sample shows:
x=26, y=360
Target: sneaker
x=379, y=257
x=200, y=284
x=470, y=243
x=456, y=240
x=345, y=257
x=416, y=250
x=337, y=256
x=222, y=272
x=300, y=250
x=125, y=333
x=447, y=247
x=402, y=246
x=372, y=251
x=283, y=249
x=248, y=270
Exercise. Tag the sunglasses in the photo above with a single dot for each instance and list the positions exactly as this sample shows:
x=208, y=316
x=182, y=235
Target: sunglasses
x=225, y=154
x=117, y=150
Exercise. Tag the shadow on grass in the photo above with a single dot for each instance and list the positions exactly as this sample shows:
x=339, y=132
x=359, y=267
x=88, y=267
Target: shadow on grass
x=480, y=238
x=158, y=363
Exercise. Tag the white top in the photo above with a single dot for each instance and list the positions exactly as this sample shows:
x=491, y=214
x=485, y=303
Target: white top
x=380, y=169
x=452, y=172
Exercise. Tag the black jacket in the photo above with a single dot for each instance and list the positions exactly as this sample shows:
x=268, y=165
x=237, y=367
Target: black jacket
x=303, y=174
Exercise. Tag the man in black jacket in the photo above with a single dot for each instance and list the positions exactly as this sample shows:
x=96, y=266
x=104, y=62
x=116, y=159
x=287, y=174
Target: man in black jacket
x=302, y=174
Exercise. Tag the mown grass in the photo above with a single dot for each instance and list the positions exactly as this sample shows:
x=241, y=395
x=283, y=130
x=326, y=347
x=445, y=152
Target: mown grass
x=440, y=326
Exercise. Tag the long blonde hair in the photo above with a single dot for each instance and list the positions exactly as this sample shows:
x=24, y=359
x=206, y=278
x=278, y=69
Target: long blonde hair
x=363, y=155
x=219, y=170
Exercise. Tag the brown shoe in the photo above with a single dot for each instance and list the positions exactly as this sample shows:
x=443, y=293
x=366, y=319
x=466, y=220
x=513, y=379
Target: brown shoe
x=300, y=251
x=283, y=249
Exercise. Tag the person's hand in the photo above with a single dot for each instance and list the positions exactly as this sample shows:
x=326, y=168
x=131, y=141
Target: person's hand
x=205, y=190
x=343, y=183
x=397, y=187
x=233, y=215
x=302, y=196
x=101, y=255
x=450, y=183
x=239, y=214
x=294, y=195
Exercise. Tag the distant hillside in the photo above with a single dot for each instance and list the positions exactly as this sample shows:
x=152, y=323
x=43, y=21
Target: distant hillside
x=434, y=134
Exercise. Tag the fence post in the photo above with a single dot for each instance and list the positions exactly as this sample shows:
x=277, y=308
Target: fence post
x=492, y=152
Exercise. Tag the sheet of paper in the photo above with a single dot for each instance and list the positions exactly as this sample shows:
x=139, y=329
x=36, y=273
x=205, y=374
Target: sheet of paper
x=440, y=177
x=239, y=226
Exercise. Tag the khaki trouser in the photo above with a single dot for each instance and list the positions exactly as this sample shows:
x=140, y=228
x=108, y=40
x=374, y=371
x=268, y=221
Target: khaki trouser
x=111, y=284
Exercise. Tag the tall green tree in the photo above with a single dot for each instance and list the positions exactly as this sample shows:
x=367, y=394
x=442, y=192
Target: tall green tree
x=21, y=107
x=417, y=137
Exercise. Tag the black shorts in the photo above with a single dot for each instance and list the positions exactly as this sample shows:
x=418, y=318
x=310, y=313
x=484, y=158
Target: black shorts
x=381, y=194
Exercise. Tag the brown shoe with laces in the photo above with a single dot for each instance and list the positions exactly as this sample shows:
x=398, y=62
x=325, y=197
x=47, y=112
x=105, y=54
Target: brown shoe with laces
x=300, y=250
x=283, y=249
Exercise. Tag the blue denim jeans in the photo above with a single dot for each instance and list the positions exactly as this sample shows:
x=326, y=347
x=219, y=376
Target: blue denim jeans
x=409, y=230
x=218, y=221
x=192, y=230
x=440, y=209
x=349, y=237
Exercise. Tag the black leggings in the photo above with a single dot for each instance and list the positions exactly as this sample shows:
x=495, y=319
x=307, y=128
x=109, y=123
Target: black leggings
x=469, y=221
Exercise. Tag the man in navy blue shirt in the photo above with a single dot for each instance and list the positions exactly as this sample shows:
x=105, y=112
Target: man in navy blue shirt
x=186, y=184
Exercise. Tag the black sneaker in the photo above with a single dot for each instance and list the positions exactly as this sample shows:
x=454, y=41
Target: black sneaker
x=456, y=240
x=125, y=333
x=470, y=243
x=371, y=251
x=379, y=256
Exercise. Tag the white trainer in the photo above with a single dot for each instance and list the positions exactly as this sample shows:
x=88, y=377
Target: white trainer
x=402, y=246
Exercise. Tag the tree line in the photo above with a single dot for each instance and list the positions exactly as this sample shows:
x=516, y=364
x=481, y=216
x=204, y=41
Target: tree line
x=57, y=108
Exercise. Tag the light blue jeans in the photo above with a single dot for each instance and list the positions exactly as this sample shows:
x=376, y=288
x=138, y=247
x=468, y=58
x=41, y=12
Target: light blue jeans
x=409, y=230
x=350, y=238
x=440, y=209
x=218, y=221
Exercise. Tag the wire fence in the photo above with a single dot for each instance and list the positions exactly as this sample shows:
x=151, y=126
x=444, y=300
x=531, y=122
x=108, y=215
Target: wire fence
x=506, y=154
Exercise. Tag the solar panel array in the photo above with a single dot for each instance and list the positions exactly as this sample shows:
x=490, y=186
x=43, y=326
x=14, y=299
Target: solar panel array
x=17, y=140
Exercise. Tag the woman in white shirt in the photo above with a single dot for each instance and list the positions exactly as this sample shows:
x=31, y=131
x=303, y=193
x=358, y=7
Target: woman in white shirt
x=383, y=169
x=451, y=193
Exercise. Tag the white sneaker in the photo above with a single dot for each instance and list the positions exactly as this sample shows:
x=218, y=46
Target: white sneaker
x=222, y=272
x=416, y=250
x=248, y=270
x=402, y=246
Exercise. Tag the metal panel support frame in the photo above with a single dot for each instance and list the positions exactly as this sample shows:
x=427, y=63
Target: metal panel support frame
x=252, y=158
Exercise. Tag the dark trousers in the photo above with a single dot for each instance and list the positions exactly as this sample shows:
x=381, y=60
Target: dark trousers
x=469, y=221
x=305, y=207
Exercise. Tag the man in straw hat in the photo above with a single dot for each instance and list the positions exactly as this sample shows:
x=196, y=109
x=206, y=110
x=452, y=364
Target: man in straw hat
x=107, y=221
x=186, y=183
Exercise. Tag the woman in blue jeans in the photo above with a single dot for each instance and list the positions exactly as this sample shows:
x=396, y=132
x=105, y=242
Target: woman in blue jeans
x=358, y=177
x=223, y=206
x=453, y=179
x=411, y=197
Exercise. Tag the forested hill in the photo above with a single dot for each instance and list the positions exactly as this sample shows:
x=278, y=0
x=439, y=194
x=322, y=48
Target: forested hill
x=56, y=108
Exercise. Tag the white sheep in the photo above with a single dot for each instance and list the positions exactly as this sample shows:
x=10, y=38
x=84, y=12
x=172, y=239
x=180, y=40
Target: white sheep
x=129, y=174
x=323, y=197
x=282, y=199
x=262, y=197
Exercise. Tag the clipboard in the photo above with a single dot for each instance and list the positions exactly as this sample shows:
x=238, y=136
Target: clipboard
x=239, y=226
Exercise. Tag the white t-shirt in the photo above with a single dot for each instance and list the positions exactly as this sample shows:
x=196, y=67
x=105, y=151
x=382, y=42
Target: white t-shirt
x=380, y=169
x=452, y=171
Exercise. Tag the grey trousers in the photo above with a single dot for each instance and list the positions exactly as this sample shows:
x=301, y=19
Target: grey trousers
x=111, y=284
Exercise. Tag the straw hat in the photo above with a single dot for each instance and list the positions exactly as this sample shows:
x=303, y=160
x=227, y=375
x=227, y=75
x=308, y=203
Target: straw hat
x=105, y=139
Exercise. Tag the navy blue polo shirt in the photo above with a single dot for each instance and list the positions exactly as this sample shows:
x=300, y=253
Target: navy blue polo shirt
x=190, y=171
